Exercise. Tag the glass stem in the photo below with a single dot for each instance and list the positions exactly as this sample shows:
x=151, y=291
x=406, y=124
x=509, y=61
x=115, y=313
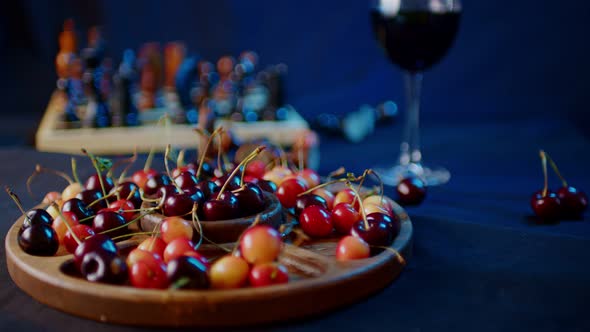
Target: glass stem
x=410, y=150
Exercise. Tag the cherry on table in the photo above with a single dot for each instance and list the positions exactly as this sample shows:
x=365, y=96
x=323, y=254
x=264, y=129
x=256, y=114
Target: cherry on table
x=141, y=177
x=573, y=202
x=229, y=272
x=176, y=248
x=81, y=231
x=123, y=207
x=378, y=233
x=124, y=190
x=178, y=204
x=153, y=244
x=260, y=244
x=547, y=208
x=208, y=187
x=234, y=181
x=185, y=180
x=352, y=247
x=411, y=191
x=175, y=227
x=346, y=195
x=147, y=270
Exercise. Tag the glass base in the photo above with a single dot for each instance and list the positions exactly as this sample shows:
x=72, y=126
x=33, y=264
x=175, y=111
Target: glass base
x=432, y=176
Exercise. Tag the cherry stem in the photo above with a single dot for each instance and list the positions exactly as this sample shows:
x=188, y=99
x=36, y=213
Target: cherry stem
x=180, y=158
x=17, y=201
x=362, y=208
x=197, y=225
x=325, y=184
x=127, y=223
x=544, y=165
x=250, y=156
x=75, y=170
x=204, y=152
x=131, y=160
x=341, y=170
x=131, y=193
x=399, y=257
x=556, y=170
x=76, y=238
x=150, y=158
x=95, y=165
x=101, y=199
x=132, y=234
x=166, y=155
x=156, y=228
x=360, y=186
x=248, y=160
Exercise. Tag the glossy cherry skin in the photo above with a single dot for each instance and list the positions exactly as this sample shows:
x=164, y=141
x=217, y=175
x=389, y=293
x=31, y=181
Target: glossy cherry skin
x=344, y=216
x=154, y=183
x=167, y=191
x=288, y=190
x=411, y=191
x=179, y=204
x=153, y=244
x=573, y=202
x=208, y=188
x=234, y=182
x=267, y=274
x=77, y=207
x=260, y=244
x=124, y=190
x=229, y=272
x=392, y=221
x=547, y=208
x=94, y=184
x=207, y=170
x=82, y=232
x=352, y=247
x=185, y=180
x=191, y=168
x=141, y=177
x=103, y=266
x=89, y=196
x=94, y=243
x=267, y=186
x=256, y=169
x=37, y=216
x=221, y=209
x=38, y=240
x=148, y=272
x=106, y=220
x=316, y=221
x=379, y=233
x=192, y=272
x=250, y=199
x=306, y=200
x=123, y=207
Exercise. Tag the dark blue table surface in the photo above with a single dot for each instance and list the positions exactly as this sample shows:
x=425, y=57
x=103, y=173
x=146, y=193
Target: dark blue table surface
x=515, y=82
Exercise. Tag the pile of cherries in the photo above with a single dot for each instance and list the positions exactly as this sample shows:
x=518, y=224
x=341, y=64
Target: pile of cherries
x=87, y=218
x=567, y=203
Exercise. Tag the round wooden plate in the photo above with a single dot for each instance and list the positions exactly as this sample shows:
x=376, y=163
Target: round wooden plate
x=318, y=283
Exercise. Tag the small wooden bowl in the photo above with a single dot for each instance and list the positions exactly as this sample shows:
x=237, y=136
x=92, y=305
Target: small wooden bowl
x=225, y=231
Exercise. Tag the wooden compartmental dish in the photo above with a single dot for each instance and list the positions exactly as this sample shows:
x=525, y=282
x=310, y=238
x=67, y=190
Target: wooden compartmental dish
x=318, y=283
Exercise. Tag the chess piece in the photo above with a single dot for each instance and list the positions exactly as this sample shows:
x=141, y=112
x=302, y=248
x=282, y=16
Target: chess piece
x=174, y=53
x=148, y=86
x=67, y=49
x=185, y=83
x=74, y=89
x=125, y=81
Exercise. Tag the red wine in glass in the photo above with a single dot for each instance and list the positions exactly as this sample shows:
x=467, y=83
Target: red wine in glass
x=415, y=35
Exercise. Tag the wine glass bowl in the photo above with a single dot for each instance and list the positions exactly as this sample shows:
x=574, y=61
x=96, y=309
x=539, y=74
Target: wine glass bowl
x=415, y=35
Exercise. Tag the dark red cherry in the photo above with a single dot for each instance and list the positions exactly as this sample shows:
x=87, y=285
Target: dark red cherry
x=233, y=184
x=185, y=180
x=306, y=200
x=547, y=208
x=196, y=195
x=94, y=243
x=179, y=204
x=379, y=233
x=393, y=221
x=154, y=183
x=125, y=188
x=89, y=196
x=250, y=199
x=167, y=191
x=186, y=272
x=207, y=170
x=106, y=220
x=94, y=184
x=38, y=240
x=37, y=216
x=226, y=207
x=104, y=266
x=573, y=202
x=411, y=191
x=190, y=167
x=267, y=186
x=77, y=207
x=207, y=187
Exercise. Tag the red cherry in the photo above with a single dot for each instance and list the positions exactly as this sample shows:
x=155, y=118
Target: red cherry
x=147, y=270
x=81, y=231
x=93, y=183
x=60, y=227
x=268, y=274
x=327, y=195
x=547, y=208
x=352, y=247
x=346, y=195
x=573, y=202
x=153, y=244
x=316, y=221
x=175, y=227
x=260, y=244
x=256, y=169
x=177, y=248
x=123, y=206
x=140, y=177
x=411, y=191
x=288, y=190
x=343, y=217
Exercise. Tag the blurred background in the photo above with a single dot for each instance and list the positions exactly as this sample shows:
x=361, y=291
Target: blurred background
x=519, y=59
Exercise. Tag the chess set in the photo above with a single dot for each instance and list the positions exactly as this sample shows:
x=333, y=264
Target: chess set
x=159, y=96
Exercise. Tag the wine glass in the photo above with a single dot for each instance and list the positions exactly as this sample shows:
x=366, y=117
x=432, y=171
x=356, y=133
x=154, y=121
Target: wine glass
x=415, y=35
